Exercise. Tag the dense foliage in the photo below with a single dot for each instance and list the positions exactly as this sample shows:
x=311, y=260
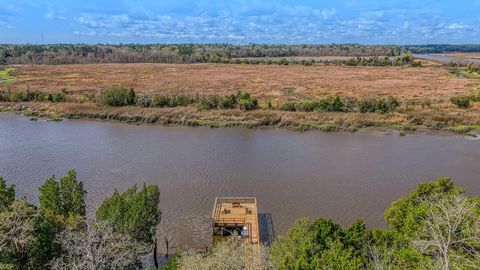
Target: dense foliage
x=404, y=60
x=56, y=235
x=337, y=104
x=117, y=96
x=462, y=102
x=134, y=214
x=442, y=48
x=39, y=96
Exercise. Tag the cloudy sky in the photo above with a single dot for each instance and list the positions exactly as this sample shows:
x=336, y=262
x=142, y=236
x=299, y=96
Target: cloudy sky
x=240, y=22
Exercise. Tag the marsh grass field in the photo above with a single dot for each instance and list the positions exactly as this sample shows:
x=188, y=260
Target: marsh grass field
x=265, y=82
x=423, y=92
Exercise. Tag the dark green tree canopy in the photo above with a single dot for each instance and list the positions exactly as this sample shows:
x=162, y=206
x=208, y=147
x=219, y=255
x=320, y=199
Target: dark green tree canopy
x=405, y=213
x=134, y=213
x=64, y=199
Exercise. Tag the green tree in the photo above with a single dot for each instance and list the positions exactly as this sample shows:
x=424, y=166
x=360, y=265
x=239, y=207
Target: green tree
x=114, y=96
x=405, y=214
x=131, y=100
x=64, y=201
x=337, y=257
x=337, y=104
x=133, y=213
x=320, y=244
x=7, y=194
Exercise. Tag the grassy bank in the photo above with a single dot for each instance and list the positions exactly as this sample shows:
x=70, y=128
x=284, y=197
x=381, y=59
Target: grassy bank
x=441, y=117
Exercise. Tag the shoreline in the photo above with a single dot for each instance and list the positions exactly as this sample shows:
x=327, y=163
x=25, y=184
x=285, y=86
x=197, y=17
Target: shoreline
x=400, y=123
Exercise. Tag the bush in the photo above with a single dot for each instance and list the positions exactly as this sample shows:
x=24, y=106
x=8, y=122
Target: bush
x=243, y=101
x=131, y=100
x=283, y=62
x=289, y=107
x=209, y=103
x=115, y=96
x=387, y=105
x=166, y=101
x=462, y=102
x=307, y=106
x=367, y=105
x=378, y=105
x=247, y=102
x=58, y=97
x=228, y=102
x=337, y=105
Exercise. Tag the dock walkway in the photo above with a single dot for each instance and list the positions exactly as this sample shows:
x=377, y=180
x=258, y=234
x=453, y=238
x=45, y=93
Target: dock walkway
x=230, y=214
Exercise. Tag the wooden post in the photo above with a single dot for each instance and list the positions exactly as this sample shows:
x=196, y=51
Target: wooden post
x=155, y=260
x=166, y=244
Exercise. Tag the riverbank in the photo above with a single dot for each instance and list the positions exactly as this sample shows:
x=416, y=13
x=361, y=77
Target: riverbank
x=437, y=117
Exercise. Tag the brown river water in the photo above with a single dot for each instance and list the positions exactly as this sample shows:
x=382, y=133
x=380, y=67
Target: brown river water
x=342, y=176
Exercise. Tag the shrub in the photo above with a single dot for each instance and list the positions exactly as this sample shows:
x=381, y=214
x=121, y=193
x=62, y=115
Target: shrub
x=228, y=102
x=247, y=102
x=283, y=62
x=114, y=96
x=337, y=104
x=243, y=101
x=160, y=101
x=131, y=100
x=462, y=102
x=289, y=107
x=57, y=97
x=387, y=105
x=378, y=105
x=307, y=106
x=367, y=105
x=331, y=105
x=174, y=101
x=209, y=103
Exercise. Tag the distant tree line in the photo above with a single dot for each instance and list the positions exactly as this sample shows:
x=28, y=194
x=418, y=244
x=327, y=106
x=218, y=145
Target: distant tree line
x=176, y=53
x=442, y=48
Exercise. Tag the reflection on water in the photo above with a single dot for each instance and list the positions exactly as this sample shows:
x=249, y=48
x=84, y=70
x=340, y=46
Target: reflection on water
x=336, y=175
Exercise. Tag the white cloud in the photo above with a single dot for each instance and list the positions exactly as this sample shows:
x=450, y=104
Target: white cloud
x=52, y=15
x=325, y=13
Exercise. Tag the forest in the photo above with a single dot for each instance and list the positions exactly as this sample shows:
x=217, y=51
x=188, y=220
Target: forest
x=198, y=53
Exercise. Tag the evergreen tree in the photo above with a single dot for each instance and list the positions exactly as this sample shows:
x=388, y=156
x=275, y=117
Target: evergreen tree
x=133, y=213
x=64, y=200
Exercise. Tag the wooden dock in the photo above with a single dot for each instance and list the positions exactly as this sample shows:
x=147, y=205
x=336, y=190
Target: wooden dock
x=236, y=215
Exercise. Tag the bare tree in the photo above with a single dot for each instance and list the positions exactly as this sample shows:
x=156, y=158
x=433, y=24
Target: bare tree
x=231, y=254
x=17, y=230
x=451, y=232
x=98, y=248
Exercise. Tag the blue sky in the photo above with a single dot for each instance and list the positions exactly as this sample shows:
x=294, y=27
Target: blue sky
x=240, y=22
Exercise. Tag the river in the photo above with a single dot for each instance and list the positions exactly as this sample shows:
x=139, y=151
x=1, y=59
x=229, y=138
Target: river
x=343, y=176
x=447, y=59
